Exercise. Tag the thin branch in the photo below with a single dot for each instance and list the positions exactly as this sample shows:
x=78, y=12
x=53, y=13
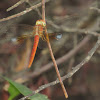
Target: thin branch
x=83, y=26
x=94, y=8
x=71, y=73
x=73, y=30
x=43, y=10
x=37, y=10
x=72, y=60
x=51, y=53
x=17, y=4
x=57, y=70
x=81, y=31
x=59, y=60
x=23, y=12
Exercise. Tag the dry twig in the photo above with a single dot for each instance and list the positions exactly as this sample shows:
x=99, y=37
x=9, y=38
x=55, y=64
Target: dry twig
x=71, y=73
x=73, y=30
x=51, y=53
x=94, y=8
x=59, y=60
x=23, y=12
x=17, y=4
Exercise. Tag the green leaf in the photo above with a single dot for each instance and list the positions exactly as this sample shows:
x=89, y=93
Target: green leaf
x=13, y=92
x=16, y=89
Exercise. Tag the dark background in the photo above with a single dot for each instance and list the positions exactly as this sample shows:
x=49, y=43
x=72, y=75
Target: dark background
x=85, y=84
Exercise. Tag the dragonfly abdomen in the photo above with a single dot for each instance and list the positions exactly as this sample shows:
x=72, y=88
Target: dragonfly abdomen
x=36, y=41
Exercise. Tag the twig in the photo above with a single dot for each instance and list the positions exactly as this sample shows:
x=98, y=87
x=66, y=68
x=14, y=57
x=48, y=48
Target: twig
x=59, y=60
x=43, y=10
x=94, y=8
x=20, y=2
x=57, y=70
x=71, y=73
x=51, y=53
x=81, y=31
x=23, y=12
x=37, y=10
x=73, y=30
x=17, y=4
x=84, y=24
x=71, y=63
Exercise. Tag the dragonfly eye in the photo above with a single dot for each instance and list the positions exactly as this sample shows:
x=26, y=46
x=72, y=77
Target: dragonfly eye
x=59, y=36
x=44, y=24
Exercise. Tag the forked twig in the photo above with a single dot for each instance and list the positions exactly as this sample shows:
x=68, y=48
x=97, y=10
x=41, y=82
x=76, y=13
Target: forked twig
x=51, y=53
x=74, y=70
x=73, y=30
x=71, y=73
x=23, y=12
x=58, y=61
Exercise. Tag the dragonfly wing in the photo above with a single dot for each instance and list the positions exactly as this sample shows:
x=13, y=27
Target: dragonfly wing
x=24, y=29
x=52, y=36
x=9, y=47
x=14, y=35
x=16, y=32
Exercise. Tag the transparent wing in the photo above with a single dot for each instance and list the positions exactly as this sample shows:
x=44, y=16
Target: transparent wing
x=52, y=37
x=14, y=35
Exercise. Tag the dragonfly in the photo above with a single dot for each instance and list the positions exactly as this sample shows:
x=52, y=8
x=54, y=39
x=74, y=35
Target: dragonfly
x=38, y=32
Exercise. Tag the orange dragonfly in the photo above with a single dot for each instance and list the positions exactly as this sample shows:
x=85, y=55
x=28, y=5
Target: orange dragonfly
x=38, y=32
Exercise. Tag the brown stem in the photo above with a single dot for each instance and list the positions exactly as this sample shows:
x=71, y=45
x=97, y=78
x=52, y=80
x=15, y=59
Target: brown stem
x=71, y=73
x=51, y=53
x=57, y=71
x=21, y=13
x=43, y=10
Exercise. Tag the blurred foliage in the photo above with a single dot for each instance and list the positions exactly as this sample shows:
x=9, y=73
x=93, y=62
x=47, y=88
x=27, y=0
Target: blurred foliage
x=60, y=15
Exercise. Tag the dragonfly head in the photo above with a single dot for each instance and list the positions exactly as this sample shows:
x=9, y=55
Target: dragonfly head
x=41, y=22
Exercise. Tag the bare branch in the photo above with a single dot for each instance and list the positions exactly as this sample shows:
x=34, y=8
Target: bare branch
x=23, y=12
x=71, y=73
x=51, y=53
x=17, y=4
x=94, y=8
x=73, y=30
x=80, y=31
x=59, y=60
